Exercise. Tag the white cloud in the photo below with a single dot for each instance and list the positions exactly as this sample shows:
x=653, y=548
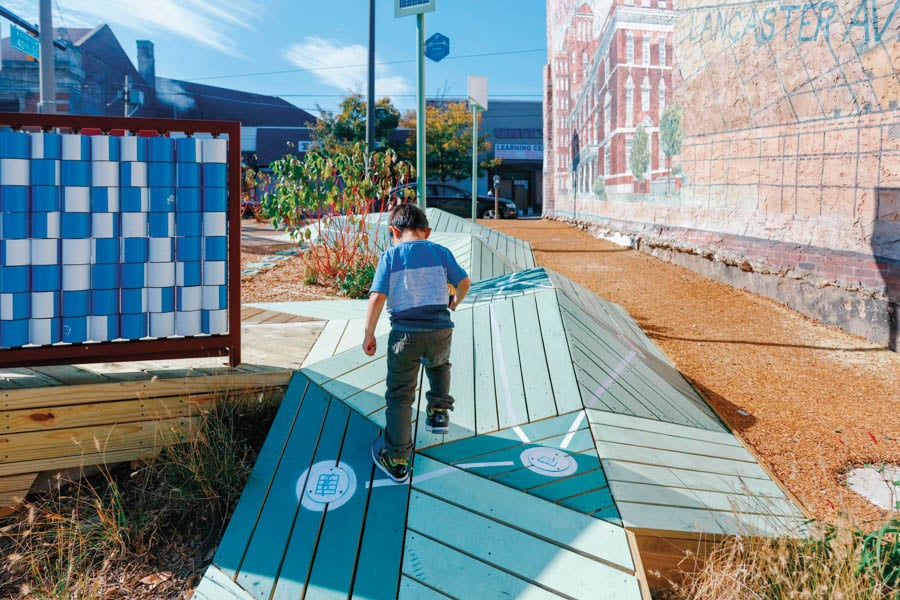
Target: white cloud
x=344, y=67
x=207, y=22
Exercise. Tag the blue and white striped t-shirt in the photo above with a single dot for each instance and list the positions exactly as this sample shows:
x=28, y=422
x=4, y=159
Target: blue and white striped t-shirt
x=414, y=276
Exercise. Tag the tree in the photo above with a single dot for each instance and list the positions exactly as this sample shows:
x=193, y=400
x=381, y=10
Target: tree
x=671, y=134
x=448, y=137
x=340, y=130
x=640, y=154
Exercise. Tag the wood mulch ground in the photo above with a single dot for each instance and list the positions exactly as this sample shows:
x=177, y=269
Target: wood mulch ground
x=818, y=401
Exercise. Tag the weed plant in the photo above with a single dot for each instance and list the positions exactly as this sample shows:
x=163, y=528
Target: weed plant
x=101, y=536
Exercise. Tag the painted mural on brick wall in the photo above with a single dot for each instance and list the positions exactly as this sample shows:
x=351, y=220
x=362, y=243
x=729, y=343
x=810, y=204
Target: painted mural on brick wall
x=762, y=119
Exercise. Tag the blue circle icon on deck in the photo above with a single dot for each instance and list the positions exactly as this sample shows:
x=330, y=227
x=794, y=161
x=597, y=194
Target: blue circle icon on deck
x=548, y=461
x=326, y=483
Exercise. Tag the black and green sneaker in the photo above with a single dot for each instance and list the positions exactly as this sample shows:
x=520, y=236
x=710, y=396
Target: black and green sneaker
x=396, y=469
x=437, y=420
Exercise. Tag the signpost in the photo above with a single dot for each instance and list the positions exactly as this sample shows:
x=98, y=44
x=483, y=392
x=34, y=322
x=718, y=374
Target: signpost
x=437, y=47
x=478, y=100
x=24, y=43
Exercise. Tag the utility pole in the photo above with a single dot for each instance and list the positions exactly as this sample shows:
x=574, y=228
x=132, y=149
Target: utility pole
x=370, y=106
x=47, y=69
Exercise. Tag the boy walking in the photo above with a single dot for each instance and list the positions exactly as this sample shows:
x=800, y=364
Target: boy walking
x=412, y=277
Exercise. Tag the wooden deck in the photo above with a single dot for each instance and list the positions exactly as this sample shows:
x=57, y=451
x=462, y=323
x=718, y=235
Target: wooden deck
x=66, y=417
x=567, y=419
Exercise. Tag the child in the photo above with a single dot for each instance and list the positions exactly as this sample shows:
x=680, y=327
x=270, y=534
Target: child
x=412, y=276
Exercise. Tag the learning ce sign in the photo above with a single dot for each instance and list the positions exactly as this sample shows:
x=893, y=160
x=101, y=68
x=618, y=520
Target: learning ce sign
x=549, y=462
x=324, y=484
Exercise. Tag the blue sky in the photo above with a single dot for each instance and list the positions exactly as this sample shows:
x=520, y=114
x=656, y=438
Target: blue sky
x=312, y=53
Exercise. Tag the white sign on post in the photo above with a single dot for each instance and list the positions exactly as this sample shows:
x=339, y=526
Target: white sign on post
x=404, y=8
x=478, y=92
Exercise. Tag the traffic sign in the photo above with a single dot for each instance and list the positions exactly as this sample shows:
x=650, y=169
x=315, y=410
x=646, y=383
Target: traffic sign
x=437, y=47
x=23, y=42
x=403, y=8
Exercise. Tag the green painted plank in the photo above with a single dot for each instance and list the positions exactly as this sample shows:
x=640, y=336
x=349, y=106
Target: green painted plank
x=361, y=378
x=692, y=462
x=410, y=589
x=566, y=487
x=666, y=442
x=578, y=532
x=532, y=352
x=511, y=407
x=475, y=270
x=559, y=360
x=687, y=498
x=216, y=585
x=667, y=518
x=485, y=392
x=624, y=422
x=300, y=554
x=381, y=550
x=462, y=374
x=339, y=539
x=681, y=478
x=326, y=344
x=243, y=521
x=522, y=478
x=589, y=502
x=266, y=548
x=610, y=514
x=514, y=551
x=342, y=364
x=473, y=448
x=461, y=576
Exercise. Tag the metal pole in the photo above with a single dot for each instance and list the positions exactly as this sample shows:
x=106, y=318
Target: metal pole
x=370, y=107
x=474, y=160
x=47, y=69
x=126, y=95
x=420, y=116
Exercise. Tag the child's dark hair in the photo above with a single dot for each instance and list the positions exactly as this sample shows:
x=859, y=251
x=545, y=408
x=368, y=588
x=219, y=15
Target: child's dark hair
x=408, y=216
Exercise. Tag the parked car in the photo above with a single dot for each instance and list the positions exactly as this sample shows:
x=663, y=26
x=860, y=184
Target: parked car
x=456, y=200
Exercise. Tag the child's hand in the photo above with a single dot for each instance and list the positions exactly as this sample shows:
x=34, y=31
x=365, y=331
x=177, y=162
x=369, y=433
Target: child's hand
x=369, y=345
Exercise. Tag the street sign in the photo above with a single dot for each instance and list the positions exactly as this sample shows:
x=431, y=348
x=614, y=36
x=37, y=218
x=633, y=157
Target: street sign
x=478, y=91
x=437, y=47
x=23, y=42
x=403, y=8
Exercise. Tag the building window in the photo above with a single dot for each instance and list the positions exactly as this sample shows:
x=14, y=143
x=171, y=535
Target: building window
x=645, y=95
x=662, y=97
x=608, y=72
x=607, y=116
x=662, y=3
x=628, y=143
x=662, y=52
x=662, y=155
x=629, y=47
x=645, y=49
x=629, y=102
x=607, y=163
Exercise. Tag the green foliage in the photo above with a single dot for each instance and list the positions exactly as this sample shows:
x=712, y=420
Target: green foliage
x=323, y=200
x=640, y=154
x=358, y=280
x=448, y=138
x=337, y=131
x=671, y=130
x=600, y=188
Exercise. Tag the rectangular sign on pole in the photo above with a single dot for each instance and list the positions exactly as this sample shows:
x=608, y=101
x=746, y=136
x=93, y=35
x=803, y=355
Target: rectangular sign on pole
x=20, y=40
x=478, y=91
x=404, y=8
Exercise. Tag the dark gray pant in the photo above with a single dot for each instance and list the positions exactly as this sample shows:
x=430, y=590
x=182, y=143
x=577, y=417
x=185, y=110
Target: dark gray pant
x=406, y=350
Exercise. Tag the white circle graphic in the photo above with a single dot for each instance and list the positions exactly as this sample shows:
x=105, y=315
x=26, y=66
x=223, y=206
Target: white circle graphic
x=549, y=462
x=326, y=483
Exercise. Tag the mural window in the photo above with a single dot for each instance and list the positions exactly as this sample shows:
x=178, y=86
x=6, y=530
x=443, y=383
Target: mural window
x=629, y=102
x=628, y=143
x=629, y=47
x=608, y=72
x=607, y=163
x=607, y=116
x=662, y=97
x=662, y=155
x=645, y=94
x=645, y=49
x=662, y=52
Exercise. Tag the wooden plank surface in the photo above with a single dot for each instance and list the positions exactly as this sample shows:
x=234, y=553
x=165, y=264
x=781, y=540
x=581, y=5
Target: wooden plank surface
x=216, y=585
x=14, y=488
x=532, y=352
x=485, y=391
x=511, y=407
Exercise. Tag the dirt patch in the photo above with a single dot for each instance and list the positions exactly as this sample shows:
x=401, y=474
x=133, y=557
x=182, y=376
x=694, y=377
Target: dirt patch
x=817, y=400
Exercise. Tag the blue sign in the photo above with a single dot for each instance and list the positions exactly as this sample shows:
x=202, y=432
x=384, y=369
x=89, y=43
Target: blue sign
x=20, y=40
x=437, y=47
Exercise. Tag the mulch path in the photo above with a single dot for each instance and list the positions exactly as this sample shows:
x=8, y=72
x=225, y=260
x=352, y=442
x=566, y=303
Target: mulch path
x=818, y=401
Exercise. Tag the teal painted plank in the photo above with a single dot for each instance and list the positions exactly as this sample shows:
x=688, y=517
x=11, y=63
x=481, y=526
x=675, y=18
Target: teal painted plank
x=462, y=576
x=559, y=360
x=533, y=349
x=548, y=565
x=475, y=271
x=547, y=521
x=243, y=521
x=410, y=589
x=667, y=518
x=368, y=400
x=697, y=480
x=692, y=462
x=462, y=374
x=265, y=550
x=300, y=554
x=342, y=364
x=339, y=539
x=522, y=478
x=381, y=549
x=327, y=342
x=473, y=448
x=485, y=392
x=662, y=441
x=566, y=487
x=723, y=437
x=610, y=514
x=361, y=378
x=511, y=408
x=589, y=502
x=216, y=585
x=687, y=498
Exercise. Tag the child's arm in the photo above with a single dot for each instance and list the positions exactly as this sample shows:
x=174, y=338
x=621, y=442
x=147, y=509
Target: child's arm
x=462, y=288
x=373, y=311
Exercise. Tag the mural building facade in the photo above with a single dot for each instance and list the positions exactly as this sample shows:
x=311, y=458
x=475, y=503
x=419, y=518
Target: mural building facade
x=756, y=142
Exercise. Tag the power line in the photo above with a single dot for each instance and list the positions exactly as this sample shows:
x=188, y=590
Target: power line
x=395, y=62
